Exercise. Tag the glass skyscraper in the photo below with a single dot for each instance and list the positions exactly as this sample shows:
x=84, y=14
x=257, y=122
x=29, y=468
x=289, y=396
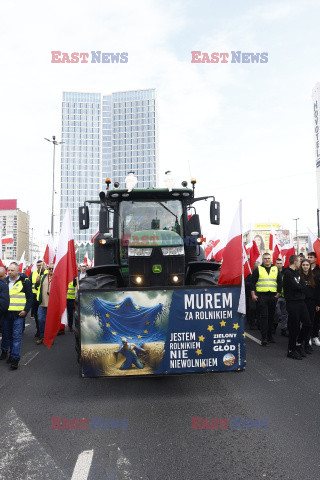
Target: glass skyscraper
x=105, y=136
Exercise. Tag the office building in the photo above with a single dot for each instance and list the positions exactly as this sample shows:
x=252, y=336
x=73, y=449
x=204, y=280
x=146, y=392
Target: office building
x=15, y=223
x=105, y=136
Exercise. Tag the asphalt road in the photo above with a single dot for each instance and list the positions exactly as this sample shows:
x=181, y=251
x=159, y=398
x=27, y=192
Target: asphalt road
x=159, y=443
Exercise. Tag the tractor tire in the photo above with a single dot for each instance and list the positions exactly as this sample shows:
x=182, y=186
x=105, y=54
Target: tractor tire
x=90, y=283
x=205, y=278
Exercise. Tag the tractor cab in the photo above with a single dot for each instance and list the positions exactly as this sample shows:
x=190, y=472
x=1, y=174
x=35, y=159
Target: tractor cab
x=155, y=237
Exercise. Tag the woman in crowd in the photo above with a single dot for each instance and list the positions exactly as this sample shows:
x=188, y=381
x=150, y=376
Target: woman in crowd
x=312, y=293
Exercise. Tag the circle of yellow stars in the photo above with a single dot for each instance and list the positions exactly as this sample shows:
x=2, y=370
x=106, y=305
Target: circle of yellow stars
x=137, y=308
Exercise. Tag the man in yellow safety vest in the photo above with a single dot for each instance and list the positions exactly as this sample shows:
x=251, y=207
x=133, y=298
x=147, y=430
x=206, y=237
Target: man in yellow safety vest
x=71, y=295
x=35, y=278
x=20, y=292
x=266, y=286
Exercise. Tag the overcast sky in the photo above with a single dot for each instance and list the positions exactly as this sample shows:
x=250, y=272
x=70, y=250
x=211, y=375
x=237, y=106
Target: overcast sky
x=243, y=130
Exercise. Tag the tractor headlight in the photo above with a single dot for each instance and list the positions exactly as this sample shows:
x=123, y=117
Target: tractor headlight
x=172, y=251
x=139, y=252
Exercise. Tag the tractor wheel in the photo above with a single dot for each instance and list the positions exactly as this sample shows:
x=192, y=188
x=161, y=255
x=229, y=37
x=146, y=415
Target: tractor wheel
x=205, y=278
x=90, y=283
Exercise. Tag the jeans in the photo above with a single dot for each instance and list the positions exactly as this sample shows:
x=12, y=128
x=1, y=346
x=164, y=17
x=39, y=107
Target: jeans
x=42, y=315
x=12, y=334
x=34, y=311
x=281, y=315
x=267, y=307
x=1, y=322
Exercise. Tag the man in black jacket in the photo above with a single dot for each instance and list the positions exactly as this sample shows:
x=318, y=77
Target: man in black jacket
x=293, y=288
x=4, y=295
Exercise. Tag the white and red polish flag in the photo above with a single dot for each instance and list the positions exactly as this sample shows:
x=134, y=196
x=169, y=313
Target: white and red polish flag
x=22, y=262
x=274, y=245
x=314, y=245
x=31, y=269
x=65, y=271
x=49, y=253
x=246, y=266
x=87, y=261
x=214, y=248
x=232, y=265
x=232, y=269
x=273, y=239
x=209, y=246
x=252, y=251
x=217, y=251
x=287, y=251
x=7, y=239
x=277, y=253
x=246, y=270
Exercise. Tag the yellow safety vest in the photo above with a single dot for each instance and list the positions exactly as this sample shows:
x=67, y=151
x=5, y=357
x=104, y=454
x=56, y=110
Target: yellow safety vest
x=35, y=274
x=267, y=283
x=71, y=293
x=17, y=298
x=33, y=280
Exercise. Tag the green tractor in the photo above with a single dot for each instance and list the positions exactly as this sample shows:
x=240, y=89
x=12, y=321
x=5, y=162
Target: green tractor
x=148, y=238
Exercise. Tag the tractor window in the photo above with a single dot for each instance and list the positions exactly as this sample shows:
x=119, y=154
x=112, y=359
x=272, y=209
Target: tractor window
x=145, y=215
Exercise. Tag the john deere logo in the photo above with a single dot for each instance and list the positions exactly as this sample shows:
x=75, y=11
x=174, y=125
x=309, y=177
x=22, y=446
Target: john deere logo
x=157, y=268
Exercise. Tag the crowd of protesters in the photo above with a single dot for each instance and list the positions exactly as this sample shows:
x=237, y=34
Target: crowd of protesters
x=277, y=297
x=288, y=299
x=20, y=294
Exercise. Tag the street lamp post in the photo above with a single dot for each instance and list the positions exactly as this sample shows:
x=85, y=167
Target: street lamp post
x=54, y=141
x=296, y=220
x=31, y=255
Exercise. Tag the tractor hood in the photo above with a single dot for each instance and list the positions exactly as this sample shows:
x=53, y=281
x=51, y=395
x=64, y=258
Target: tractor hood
x=155, y=238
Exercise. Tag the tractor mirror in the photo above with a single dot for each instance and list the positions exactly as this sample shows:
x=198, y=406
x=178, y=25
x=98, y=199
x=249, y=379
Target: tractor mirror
x=84, y=217
x=215, y=213
x=193, y=225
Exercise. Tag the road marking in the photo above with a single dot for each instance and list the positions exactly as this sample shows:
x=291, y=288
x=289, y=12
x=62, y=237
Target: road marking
x=266, y=372
x=22, y=456
x=82, y=467
x=253, y=338
x=28, y=357
x=27, y=324
x=124, y=465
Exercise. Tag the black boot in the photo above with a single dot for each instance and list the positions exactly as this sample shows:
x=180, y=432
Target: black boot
x=14, y=364
x=308, y=349
x=300, y=350
x=3, y=355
